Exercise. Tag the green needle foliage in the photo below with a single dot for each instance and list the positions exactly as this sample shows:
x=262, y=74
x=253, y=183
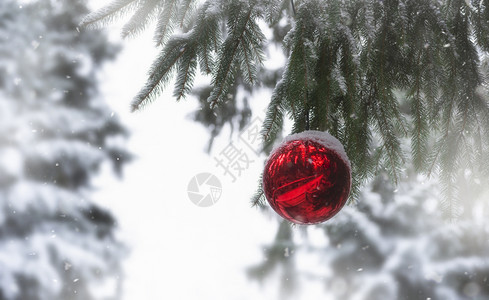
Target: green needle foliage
x=375, y=74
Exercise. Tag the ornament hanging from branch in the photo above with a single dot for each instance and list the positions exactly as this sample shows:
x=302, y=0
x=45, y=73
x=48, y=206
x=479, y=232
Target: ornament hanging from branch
x=307, y=179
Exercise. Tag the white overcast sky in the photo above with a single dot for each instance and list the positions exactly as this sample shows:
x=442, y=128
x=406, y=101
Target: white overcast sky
x=178, y=250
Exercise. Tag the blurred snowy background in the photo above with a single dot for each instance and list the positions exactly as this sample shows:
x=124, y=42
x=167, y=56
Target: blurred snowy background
x=93, y=199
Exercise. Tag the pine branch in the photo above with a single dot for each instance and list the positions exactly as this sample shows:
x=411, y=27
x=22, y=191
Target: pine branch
x=185, y=12
x=448, y=111
x=419, y=147
x=166, y=18
x=273, y=123
x=246, y=64
x=449, y=161
x=226, y=69
x=420, y=128
x=224, y=77
x=297, y=75
x=386, y=109
x=141, y=18
x=391, y=143
x=109, y=13
x=251, y=48
x=258, y=199
x=479, y=21
x=186, y=73
x=274, y=10
x=160, y=72
x=326, y=89
x=306, y=71
x=205, y=60
x=208, y=21
x=180, y=53
x=349, y=69
x=361, y=142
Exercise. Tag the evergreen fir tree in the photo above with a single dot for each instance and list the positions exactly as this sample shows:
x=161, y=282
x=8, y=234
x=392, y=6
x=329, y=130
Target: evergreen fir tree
x=55, y=133
x=372, y=73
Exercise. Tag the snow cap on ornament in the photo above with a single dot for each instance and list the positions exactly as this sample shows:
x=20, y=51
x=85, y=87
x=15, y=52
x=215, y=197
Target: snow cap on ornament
x=307, y=178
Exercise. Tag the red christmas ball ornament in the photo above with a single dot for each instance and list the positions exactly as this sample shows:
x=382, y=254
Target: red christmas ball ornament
x=307, y=178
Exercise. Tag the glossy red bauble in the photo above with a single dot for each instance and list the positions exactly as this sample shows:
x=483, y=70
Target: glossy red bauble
x=307, y=179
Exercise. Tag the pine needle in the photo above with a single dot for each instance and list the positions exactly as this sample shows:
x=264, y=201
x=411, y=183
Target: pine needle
x=141, y=18
x=160, y=72
x=109, y=13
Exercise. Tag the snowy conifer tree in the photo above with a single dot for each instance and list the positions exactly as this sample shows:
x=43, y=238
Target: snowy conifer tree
x=394, y=244
x=55, y=132
x=369, y=72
